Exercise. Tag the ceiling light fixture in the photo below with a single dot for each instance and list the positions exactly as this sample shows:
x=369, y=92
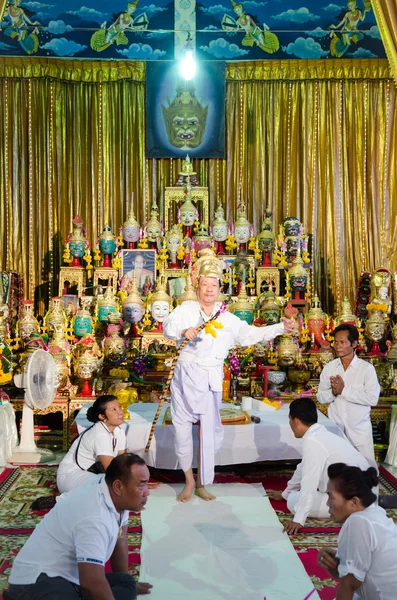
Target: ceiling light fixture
x=187, y=66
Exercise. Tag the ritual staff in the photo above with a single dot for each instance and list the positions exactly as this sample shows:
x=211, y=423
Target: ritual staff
x=94, y=449
x=350, y=385
x=65, y=556
x=306, y=491
x=365, y=562
x=196, y=388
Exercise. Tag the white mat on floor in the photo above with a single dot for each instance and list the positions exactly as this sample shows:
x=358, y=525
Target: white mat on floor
x=229, y=549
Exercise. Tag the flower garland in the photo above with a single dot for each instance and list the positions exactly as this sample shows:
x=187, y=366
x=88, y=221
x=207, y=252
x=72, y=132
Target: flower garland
x=230, y=243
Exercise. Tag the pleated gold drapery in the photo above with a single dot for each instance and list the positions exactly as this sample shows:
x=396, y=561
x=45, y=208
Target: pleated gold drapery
x=385, y=12
x=314, y=139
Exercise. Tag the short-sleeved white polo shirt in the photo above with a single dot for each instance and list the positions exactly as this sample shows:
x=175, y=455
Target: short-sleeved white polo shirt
x=83, y=527
x=96, y=441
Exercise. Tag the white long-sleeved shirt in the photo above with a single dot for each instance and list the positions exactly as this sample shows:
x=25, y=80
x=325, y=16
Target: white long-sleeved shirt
x=367, y=549
x=205, y=349
x=320, y=449
x=351, y=409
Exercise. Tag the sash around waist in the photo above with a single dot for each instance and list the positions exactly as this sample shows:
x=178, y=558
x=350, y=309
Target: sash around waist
x=203, y=361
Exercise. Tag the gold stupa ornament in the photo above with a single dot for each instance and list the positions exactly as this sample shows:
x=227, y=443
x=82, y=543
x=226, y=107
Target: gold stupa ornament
x=189, y=294
x=316, y=312
x=187, y=167
x=346, y=314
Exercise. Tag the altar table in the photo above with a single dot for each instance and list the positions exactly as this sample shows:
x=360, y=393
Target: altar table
x=270, y=440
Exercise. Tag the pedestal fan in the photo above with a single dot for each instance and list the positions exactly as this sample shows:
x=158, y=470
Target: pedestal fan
x=39, y=382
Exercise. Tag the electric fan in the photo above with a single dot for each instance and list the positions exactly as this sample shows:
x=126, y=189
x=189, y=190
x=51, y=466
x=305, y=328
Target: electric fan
x=39, y=382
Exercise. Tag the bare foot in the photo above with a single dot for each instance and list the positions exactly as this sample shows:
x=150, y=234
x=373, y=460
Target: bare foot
x=186, y=493
x=204, y=494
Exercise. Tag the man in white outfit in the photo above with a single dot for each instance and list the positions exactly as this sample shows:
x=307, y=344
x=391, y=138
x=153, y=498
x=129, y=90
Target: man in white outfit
x=196, y=388
x=306, y=492
x=350, y=386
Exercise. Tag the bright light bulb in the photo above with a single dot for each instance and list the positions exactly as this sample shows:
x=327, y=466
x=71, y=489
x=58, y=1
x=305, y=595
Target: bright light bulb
x=188, y=65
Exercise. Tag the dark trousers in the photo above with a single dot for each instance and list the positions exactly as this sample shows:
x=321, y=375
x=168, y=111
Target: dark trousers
x=57, y=588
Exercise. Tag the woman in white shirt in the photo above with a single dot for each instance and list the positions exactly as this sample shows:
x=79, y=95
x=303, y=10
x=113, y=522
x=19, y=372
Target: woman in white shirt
x=94, y=449
x=365, y=562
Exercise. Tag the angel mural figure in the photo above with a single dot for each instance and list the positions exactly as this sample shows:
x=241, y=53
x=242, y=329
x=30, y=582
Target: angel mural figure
x=16, y=26
x=265, y=40
x=348, y=34
x=115, y=33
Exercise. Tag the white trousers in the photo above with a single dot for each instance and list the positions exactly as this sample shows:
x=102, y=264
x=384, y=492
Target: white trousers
x=67, y=482
x=361, y=440
x=319, y=508
x=193, y=400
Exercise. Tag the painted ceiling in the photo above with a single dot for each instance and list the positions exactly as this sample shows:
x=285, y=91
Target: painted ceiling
x=221, y=29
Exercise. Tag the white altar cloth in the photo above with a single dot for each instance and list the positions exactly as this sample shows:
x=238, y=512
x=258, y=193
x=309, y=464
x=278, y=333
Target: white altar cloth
x=271, y=439
x=230, y=549
x=8, y=432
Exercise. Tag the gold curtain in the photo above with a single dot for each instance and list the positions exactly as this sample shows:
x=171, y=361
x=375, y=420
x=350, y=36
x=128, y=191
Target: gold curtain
x=386, y=17
x=314, y=139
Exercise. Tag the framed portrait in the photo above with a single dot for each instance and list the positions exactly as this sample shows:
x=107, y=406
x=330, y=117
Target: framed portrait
x=143, y=264
x=185, y=117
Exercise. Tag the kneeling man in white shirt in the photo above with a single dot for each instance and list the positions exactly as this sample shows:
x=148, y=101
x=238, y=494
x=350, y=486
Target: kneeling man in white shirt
x=65, y=556
x=306, y=492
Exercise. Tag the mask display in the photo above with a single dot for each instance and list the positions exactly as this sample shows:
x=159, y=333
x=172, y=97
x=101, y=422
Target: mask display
x=133, y=307
x=107, y=242
x=107, y=304
x=131, y=228
x=185, y=117
x=82, y=322
x=77, y=242
x=242, y=226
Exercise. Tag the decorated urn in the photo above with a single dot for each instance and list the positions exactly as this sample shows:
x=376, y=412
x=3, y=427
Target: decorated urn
x=27, y=323
x=55, y=316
